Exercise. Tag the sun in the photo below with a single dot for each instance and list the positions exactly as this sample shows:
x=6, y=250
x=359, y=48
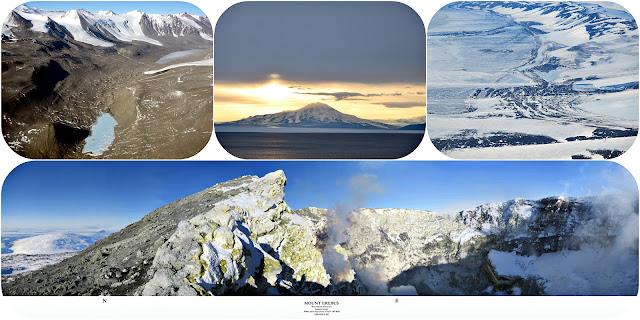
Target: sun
x=274, y=91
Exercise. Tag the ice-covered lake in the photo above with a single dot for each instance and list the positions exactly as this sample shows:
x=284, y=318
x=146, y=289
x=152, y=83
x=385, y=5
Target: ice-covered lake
x=102, y=134
x=177, y=55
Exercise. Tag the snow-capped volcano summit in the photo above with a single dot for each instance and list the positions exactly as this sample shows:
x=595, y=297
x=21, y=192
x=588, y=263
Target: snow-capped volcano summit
x=313, y=115
x=106, y=28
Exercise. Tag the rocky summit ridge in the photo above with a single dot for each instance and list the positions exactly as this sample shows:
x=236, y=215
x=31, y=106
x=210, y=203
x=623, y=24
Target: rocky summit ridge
x=237, y=237
x=241, y=237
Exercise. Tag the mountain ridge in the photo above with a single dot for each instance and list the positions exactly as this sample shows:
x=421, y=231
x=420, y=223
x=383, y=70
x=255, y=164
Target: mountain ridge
x=105, y=28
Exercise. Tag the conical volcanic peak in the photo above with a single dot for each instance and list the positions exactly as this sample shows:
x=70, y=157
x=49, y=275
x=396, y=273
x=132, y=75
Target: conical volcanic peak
x=313, y=115
x=318, y=106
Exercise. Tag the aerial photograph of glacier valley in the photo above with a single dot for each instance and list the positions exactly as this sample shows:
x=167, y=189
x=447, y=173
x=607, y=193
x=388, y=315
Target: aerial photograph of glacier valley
x=92, y=79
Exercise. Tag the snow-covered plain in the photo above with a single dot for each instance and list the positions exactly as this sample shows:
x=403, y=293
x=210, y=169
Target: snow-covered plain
x=569, y=69
x=553, y=151
x=13, y=264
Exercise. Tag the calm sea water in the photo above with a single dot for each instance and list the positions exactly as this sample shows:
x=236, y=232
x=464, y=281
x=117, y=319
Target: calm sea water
x=268, y=145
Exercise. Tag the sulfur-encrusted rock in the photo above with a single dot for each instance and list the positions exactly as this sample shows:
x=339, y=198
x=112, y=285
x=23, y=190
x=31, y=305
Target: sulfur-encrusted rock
x=248, y=242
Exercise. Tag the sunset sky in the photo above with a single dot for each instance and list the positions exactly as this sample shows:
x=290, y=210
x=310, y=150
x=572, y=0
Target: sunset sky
x=365, y=59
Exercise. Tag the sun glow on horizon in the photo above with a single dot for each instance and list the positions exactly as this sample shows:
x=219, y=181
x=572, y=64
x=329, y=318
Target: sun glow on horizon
x=272, y=91
x=367, y=101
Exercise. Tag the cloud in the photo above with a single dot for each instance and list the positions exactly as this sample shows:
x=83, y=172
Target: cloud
x=351, y=95
x=410, y=104
x=337, y=95
x=234, y=98
x=298, y=87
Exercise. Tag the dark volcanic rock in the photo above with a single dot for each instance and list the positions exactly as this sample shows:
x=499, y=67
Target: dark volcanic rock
x=118, y=264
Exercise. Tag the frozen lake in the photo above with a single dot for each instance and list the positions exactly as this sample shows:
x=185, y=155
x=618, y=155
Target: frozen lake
x=102, y=134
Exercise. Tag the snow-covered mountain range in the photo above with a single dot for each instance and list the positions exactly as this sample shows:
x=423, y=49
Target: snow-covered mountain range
x=241, y=237
x=105, y=28
x=313, y=115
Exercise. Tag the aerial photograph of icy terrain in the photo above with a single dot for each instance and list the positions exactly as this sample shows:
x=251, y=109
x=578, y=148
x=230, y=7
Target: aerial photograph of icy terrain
x=320, y=228
x=532, y=80
x=115, y=79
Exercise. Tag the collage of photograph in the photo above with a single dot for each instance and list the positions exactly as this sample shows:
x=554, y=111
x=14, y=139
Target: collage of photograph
x=319, y=159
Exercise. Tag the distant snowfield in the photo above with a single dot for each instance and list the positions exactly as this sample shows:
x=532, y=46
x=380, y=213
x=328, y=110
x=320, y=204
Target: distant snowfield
x=554, y=151
x=206, y=62
x=32, y=252
x=51, y=243
x=441, y=127
x=623, y=105
x=13, y=264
